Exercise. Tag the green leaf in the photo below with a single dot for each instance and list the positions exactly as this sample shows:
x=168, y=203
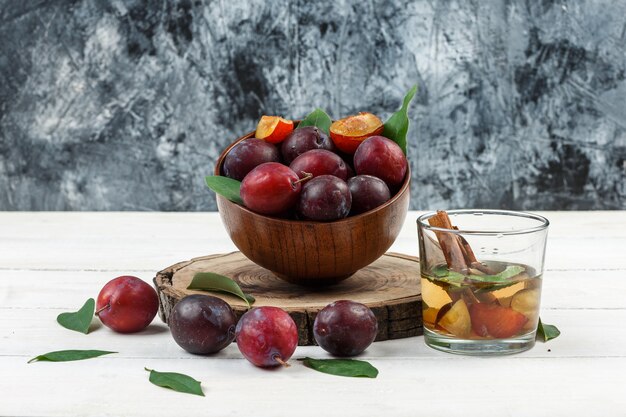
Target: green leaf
x=547, y=332
x=249, y=298
x=342, y=367
x=509, y=272
x=494, y=287
x=226, y=187
x=210, y=281
x=177, y=382
x=80, y=320
x=443, y=272
x=444, y=275
x=319, y=119
x=397, y=126
x=69, y=355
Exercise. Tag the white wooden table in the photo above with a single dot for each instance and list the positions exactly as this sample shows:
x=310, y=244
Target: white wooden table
x=53, y=262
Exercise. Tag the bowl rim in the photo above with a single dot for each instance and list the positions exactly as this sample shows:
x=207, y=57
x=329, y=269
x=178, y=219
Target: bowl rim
x=218, y=171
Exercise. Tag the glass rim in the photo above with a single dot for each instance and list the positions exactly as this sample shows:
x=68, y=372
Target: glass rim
x=544, y=223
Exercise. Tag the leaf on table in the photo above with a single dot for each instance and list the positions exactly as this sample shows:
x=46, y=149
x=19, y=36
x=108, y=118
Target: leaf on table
x=80, y=320
x=319, y=119
x=546, y=332
x=342, y=367
x=175, y=381
x=226, y=187
x=210, y=281
x=69, y=355
x=397, y=126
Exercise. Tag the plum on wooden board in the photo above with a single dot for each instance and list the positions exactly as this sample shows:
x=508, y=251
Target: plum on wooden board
x=127, y=304
x=202, y=324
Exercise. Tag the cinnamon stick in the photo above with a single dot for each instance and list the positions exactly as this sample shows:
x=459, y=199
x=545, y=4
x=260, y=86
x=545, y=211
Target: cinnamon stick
x=468, y=253
x=450, y=244
x=457, y=251
x=470, y=258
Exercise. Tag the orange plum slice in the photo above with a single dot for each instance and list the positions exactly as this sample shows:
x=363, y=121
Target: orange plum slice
x=273, y=129
x=348, y=133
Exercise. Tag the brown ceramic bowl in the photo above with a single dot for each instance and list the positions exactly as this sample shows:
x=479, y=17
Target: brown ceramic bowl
x=313, y=253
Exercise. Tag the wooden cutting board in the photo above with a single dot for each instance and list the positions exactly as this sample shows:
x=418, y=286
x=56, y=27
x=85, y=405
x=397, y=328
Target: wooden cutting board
x=390, y=287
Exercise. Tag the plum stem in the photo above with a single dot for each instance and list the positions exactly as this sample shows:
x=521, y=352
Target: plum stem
x=281, y=361
x=103, y=308
x=307, y=176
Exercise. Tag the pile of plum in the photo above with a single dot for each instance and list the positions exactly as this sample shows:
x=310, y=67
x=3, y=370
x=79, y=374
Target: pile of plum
x=304, y=173
x=267, y=336
x=203, y=324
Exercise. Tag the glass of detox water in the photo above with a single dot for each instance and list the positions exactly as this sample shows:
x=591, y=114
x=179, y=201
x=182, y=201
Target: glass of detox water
x=481, y=275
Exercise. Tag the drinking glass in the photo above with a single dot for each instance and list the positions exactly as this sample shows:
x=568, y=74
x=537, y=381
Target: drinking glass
x=481, y=281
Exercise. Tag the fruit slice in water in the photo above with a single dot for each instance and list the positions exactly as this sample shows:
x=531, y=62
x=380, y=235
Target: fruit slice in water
x=527, y=302
x=273, y=129
x=457, y=320
x=349, y=132
x=489, y=320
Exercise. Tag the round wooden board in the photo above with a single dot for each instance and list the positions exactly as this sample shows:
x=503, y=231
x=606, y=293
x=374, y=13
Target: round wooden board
x=390, y=287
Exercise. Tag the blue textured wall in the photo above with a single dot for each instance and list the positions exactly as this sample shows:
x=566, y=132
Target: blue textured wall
x=124, y=105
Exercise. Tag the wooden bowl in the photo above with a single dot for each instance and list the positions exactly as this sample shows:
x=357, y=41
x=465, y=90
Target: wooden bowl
x=308, y=252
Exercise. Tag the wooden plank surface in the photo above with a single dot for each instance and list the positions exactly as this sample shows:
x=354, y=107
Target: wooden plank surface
x=52, y=262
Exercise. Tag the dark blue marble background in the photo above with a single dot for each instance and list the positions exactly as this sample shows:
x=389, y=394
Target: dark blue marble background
x=125, y=104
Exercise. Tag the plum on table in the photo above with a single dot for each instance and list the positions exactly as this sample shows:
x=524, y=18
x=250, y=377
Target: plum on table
x=127, y=304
